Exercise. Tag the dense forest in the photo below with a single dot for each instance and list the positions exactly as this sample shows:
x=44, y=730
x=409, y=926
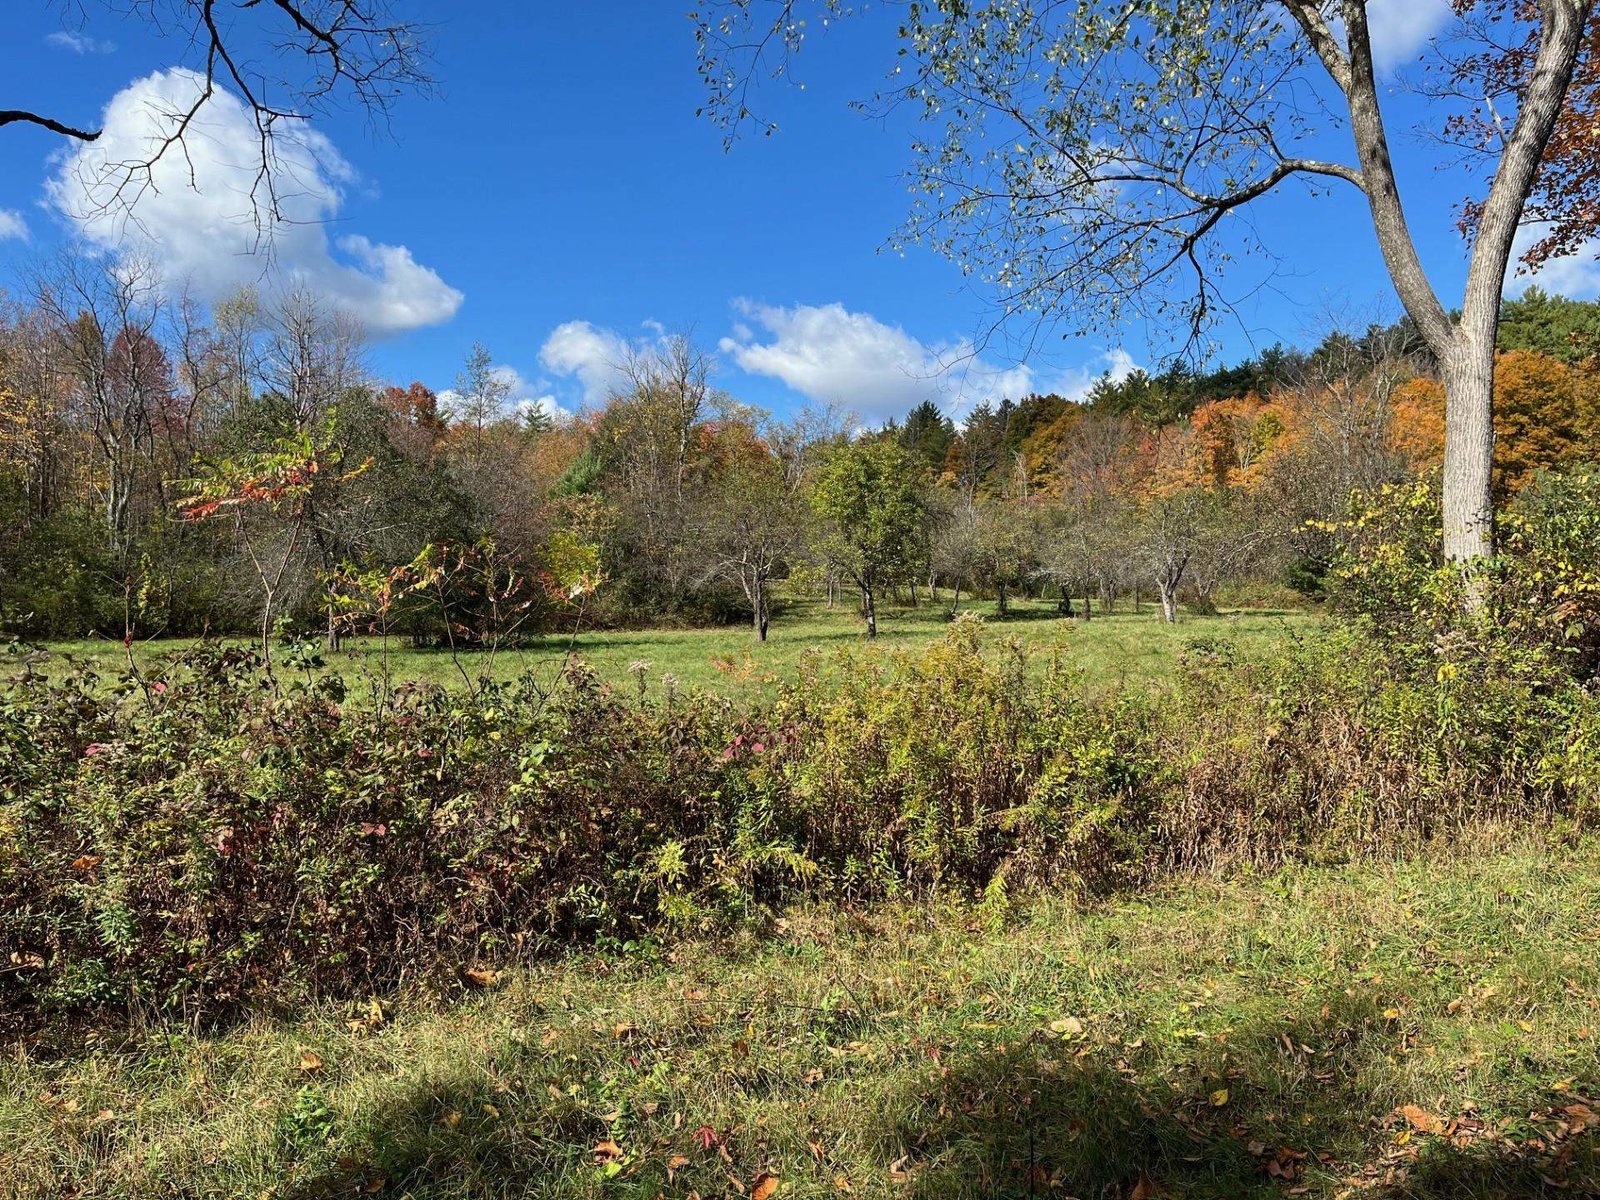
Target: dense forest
x=170, y=470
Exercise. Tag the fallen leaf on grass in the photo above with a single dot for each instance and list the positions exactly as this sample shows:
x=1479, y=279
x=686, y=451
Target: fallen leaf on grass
x=605, y=1150
x=1420, y=1119
x=310, y=1061
x=480, y=977
x=765, y=1187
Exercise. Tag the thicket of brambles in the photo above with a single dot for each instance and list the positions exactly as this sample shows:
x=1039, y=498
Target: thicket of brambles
x=166, y=470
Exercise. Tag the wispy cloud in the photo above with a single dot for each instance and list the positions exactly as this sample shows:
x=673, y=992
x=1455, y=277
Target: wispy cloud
x=79, y=43
x=12, y=226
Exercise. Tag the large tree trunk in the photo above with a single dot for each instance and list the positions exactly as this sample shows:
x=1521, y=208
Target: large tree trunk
x=1469, y=445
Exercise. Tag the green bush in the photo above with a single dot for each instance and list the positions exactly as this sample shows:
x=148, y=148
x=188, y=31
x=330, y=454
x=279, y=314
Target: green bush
x=1535, y=607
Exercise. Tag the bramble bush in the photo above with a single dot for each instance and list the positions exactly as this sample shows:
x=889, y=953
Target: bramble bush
x=210, y=837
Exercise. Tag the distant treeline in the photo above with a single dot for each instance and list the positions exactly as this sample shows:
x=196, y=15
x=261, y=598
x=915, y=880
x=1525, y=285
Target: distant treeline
x=168, y=470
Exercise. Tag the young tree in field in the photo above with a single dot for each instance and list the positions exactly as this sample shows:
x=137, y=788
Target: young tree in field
x=866, y=496
x=1083, y=156
x=954, y=549
x=267, y=495
x=1007, y=546
x=1167, y=532
x=754, y=523
x=649, y=447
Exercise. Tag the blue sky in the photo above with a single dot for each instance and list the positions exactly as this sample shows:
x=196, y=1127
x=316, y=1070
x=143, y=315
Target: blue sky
x=559, y=198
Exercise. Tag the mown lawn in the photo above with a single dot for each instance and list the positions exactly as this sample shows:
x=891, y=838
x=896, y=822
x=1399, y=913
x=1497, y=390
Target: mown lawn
x=1426, y=1030
x=1116, y=647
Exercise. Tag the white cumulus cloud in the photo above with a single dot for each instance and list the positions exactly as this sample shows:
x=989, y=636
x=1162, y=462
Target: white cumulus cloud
x=197, y=214
x=828, y=353
x=12, y=226
x=588, y=354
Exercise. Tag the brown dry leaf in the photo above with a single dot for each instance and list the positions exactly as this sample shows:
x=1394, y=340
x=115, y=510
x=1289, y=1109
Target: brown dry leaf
x=310, y=1060
x=480, y=977
x=676, y=1161
x=1067, y=1026
x=87, y=862
x=764, y=1187
x=814, y=1076
x=841, y=1183
x=375, y=1185
x=624, y=1029
x=451, y=1119
x=1143, y=1190
x=1420, y=1119
x=605, y=1150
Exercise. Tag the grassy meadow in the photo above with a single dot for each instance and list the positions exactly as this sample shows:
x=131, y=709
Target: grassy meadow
x=1424, y=1031
x=1117, y=647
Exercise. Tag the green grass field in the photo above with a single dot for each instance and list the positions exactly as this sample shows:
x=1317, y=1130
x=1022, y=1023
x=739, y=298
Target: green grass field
x=1423, y=1031
x=1115, y=647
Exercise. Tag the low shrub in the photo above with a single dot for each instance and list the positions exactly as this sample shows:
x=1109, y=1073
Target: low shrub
x=210, y=837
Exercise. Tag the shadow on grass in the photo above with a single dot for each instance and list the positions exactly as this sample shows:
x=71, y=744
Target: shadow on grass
x=1297, y=1107
x=1049, y=1117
